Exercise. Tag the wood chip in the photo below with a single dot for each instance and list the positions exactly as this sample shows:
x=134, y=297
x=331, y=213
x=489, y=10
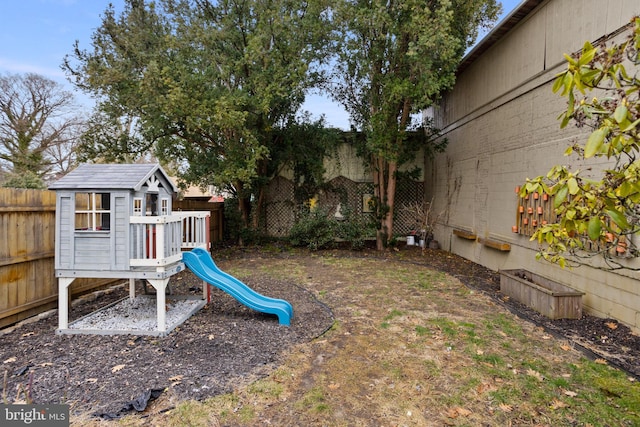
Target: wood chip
x=117, y=368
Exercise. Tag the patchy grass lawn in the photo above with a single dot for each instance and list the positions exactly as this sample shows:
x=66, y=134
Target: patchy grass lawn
x=412, y=346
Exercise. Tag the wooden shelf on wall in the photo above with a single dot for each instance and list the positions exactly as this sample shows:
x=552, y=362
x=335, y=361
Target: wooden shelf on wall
x=495, y=244
x=465, y=234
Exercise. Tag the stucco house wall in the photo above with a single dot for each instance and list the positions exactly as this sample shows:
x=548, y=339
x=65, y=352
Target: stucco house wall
x=501, y=123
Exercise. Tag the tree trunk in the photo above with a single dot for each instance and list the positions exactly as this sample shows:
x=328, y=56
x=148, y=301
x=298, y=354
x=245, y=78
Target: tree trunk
x=390, y=196
x=379, y=188
x=244, y=207
x=259, y=205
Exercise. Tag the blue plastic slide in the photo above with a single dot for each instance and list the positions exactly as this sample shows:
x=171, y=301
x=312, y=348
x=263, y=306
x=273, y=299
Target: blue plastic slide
x=199, y=261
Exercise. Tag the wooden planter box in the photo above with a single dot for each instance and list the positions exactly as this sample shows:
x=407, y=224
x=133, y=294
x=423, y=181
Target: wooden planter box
x=547, y=297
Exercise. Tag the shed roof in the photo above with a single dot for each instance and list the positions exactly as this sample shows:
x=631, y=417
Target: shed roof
x=111, y=177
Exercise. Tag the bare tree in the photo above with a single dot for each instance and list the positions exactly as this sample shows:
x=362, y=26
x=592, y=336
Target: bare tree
x=39, y=126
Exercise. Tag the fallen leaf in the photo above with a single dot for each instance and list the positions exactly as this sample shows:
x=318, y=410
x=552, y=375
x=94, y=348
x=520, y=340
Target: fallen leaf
x=92, y=380
x=479, y=352
x=505, y=408
x=334, y=386
x=211, y=336
x=9, y=360
x=611, y=325
x=485, y=387
x=176, y=378
x=463, y=412
x=570, y=393
x=45, y=364
x=28, y=334
x=533, y=373
x=565, y=347
x=546, y=337
x=631, y=379
x=601, y=362
x=557, y=404
x=117, y=368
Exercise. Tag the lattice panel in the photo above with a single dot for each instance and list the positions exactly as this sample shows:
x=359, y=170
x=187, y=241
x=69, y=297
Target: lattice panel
x=408, y=192
x=280, y=212
x=280, y=206
x=344, y=191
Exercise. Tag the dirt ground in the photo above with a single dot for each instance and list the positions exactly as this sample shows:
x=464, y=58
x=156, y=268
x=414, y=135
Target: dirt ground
x=226, y=345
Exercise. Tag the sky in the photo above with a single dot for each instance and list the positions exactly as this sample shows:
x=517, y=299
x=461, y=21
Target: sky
x=35, y=36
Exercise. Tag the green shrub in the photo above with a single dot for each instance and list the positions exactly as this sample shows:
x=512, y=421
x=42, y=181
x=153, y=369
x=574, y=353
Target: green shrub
x=27, y=180
x=319, y=230
x=315, y=230
x=355, y=229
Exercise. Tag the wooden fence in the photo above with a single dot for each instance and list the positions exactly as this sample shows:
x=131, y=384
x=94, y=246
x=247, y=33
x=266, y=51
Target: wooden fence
x=28, y=285
x=216, y=220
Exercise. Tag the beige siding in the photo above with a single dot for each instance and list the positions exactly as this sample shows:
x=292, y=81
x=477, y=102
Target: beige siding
x=502, y=127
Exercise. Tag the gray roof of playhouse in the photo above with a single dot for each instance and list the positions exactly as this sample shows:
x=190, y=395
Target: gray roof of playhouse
x=111, y=177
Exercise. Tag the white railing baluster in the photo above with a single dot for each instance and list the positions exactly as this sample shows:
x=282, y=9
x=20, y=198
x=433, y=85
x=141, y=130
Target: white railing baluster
x=159, y=240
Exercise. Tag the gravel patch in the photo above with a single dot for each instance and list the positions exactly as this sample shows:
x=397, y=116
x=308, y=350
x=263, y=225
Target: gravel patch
x=136, y=316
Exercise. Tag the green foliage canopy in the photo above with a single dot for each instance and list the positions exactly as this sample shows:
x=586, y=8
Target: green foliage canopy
x=208, y=86
x=394, y=60
x=597, y=216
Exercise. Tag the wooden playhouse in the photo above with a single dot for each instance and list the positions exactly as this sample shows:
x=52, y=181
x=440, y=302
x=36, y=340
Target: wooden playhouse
x=116, y=221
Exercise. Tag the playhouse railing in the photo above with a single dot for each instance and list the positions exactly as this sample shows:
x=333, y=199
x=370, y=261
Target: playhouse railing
x=157, y=241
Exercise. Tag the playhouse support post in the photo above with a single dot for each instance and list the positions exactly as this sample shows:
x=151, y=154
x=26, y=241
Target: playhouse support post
x=63, y=301
x=132, y=288
x=160, y=286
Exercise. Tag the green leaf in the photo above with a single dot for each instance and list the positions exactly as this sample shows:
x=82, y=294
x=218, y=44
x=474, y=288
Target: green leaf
x=572, y=183
x=567, y=82
x=569, y=59
x=625, y=189
x=561, y=196
x=577, y=81
x=588, y=53
x=630, y=126
x=549, y=238
x=594, y=228
x=620, y=114
x=595, y=141
x=618, y=218
x=557, y=84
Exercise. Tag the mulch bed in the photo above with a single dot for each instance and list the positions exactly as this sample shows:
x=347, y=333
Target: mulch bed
x=226, y=344
x=217, y=349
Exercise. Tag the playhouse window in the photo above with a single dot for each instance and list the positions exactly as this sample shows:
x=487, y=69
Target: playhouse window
x=137, y=206
x=164, y=206
x=93, y=211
